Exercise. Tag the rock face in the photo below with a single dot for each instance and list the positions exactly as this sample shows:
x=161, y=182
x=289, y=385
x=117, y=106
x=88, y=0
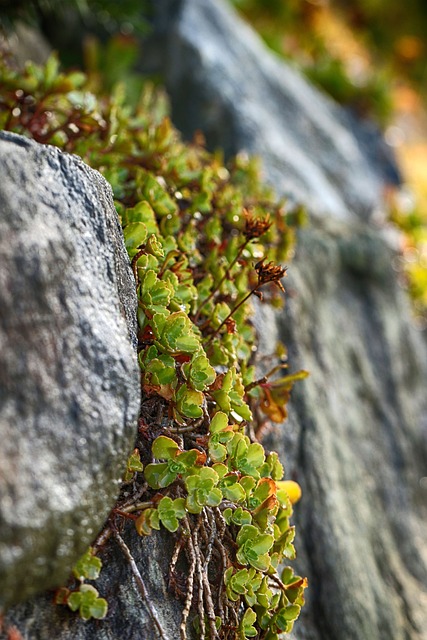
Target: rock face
x=128, y=616
x=355, y=439
x=69, y=381
x=221, y=80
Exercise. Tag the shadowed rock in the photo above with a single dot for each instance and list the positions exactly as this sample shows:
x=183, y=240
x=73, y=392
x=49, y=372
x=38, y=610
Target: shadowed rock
x=69, y=381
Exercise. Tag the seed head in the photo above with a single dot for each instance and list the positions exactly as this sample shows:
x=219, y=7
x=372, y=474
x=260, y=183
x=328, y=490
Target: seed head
x=255, y=227
x=270, y=272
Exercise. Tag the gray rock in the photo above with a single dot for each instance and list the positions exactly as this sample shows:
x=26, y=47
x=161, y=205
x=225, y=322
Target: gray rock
x=221, y=80
x=25, y=43
x=356, y=439
x=128, y=616
x=69, y=381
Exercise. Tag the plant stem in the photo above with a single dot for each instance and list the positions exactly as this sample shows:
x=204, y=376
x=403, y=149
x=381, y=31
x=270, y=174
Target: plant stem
x=224, y=277
x=190, y=581
x=238, y=305
x=140, y=584
x=255, y=383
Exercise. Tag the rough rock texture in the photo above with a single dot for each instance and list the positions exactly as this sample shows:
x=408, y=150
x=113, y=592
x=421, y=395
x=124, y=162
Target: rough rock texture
x=128, y=617
x=355, y=439
x=25, y=43
x=69, y=381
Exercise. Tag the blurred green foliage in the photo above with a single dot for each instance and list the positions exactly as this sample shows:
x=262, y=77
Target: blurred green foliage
x=289, y=28
x=362, y=53
x=395, y=31
x=113, y=16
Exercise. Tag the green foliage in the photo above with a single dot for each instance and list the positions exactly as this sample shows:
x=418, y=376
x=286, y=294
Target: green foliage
x=253, y=547
x=133, y=465
x=88, y=567
x=170, y=512
x=87, y=603
x=178, y=463
x=85, y=598
x=106, y=15
x=301, y=32
x=202, y=239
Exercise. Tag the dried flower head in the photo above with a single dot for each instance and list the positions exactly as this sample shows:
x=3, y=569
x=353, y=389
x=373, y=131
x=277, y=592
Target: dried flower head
x=270, y=272
x=230, y=325
x=255, y=227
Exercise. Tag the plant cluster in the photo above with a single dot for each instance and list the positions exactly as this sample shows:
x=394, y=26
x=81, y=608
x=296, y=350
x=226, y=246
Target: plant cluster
x=202, y=239
x=85, y=598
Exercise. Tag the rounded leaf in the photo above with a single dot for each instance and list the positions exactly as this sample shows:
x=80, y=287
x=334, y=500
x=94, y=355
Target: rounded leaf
x=164, y=448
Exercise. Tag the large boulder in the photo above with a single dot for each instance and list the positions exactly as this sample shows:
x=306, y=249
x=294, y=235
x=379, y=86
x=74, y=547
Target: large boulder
x=356, y=438
x=69, y=381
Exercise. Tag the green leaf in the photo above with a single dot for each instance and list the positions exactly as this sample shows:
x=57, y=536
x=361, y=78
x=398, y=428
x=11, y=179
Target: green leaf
x=248, y=483
x=201, y=490
x=214, y=497
x=189, y=402
x=135, y=235
x=99, y=609
x=247, y=532
x=158, y=475
x=255, y=455
x=141, y=212
x=88, y=567
x=290, y=612
x=164, y=448
x=231, y=488
x=133, y=465
x=187, y=343
x=219, y=422
x=262, y=544
x=151, y=190
x=154, y=247
x=51, y=70
x=74, y=600
x=199, y=372
x=217, y=451
x=148, y=520
x=241, y=517
x=246, y=625
x=265, y=488
x=87, y=602
x=222, y=399
x=177, y=333
x=227, y=515
x=253, y=547
x=170, y=512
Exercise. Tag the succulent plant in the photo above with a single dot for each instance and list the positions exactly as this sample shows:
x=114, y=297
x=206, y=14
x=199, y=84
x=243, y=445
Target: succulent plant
x=202, y=238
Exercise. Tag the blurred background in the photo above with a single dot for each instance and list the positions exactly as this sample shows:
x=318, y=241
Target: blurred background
x=368, y=55
x=371, y=57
